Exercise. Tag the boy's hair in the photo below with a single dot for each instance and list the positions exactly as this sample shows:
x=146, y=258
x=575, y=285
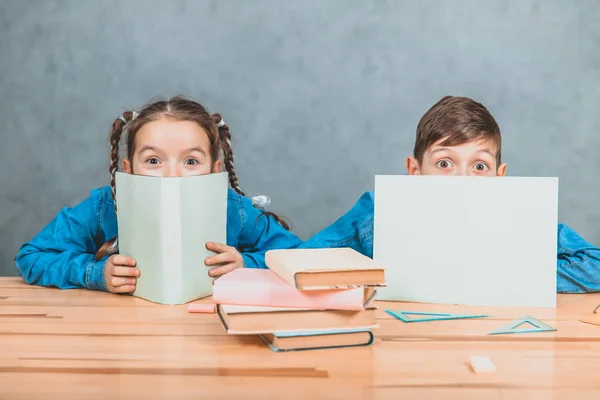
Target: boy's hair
x=179, y=109
x=456, y=121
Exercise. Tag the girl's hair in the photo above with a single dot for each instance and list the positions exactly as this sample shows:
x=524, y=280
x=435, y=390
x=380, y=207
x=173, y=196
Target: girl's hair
x=179, y=109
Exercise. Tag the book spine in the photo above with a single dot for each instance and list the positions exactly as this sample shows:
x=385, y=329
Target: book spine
x=171, y=251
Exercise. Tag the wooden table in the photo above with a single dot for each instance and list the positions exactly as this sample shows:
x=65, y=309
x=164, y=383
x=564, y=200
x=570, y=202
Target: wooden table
x=93, y=345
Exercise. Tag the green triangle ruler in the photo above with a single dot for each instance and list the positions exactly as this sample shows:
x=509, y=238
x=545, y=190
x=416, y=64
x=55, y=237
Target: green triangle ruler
x=511, y=327
x=407, y=316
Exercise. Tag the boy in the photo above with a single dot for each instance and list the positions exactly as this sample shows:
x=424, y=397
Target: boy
x=458, y=136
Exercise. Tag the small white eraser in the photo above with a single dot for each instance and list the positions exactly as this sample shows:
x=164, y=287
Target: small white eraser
x=481, y=364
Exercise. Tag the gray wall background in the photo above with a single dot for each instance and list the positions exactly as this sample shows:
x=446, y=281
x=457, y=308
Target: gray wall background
x=320, y=95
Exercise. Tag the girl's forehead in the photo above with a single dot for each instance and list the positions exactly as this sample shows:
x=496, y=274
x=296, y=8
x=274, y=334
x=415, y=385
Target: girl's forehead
x=172, y=137
x=166, y=130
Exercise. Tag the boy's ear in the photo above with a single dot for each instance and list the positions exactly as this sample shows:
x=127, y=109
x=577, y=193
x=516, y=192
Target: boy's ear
x=501, y=170
x=412, y=166
x=127, y=166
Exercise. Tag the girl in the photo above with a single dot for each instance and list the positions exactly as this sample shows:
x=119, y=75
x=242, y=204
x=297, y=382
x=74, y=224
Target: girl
x=177, y=137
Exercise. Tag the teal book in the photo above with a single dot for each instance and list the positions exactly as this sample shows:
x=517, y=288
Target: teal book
x=296, y=341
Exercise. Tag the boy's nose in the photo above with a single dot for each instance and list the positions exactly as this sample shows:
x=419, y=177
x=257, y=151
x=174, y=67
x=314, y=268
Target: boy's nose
x=464, y=170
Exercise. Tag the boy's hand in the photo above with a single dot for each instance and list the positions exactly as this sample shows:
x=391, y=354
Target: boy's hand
x=226, y=255
x=120, y=274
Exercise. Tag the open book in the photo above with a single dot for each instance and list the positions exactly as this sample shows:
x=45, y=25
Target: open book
x=164, y=224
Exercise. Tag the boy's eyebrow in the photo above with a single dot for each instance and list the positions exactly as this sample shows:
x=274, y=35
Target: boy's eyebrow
x=486, y=151
x=438, y=149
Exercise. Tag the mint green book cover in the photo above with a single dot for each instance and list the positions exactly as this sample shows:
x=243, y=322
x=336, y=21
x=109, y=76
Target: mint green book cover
x=164, y=224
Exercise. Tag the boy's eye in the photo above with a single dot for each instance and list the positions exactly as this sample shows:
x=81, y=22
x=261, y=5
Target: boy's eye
x=444, y=164
x=481, y=167
x=191, y=161
x=153, y=160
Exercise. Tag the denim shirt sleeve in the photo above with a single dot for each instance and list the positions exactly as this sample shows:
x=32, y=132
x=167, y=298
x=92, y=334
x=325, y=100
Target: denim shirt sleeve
x=253, y=233
x=62, y=254
x=578, y=263
x=354, y=229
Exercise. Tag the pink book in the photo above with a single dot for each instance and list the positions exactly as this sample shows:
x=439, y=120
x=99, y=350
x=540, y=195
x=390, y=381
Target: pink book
x=262, y=287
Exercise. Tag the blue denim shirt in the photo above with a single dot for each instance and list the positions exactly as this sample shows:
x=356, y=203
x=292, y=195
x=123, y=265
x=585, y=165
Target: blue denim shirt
x=578, y=262
x=62, y=254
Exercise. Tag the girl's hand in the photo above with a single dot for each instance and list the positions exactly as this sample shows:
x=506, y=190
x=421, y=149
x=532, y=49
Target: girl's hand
x=226, y=255
x=120, y=274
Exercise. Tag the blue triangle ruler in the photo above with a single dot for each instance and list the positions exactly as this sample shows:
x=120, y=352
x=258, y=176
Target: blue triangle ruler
x=406, y=316
x=511, y=327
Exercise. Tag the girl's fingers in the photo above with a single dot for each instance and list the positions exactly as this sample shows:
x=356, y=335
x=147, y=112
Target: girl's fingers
x=218, y=247
x=124, y=289
x=116, y=281
x=126, y=271
x=220, y=258
x=218, y=271
x=123, y=260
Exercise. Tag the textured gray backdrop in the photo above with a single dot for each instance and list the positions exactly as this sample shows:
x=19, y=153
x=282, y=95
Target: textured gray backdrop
x=320, y=95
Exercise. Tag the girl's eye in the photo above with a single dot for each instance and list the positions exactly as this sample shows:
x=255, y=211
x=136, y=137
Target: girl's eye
x=153, y=160
x=481, y=167
x=444, y=164
x=191, y=161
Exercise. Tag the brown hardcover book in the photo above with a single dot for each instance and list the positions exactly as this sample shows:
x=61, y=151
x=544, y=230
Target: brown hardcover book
x=317, y=269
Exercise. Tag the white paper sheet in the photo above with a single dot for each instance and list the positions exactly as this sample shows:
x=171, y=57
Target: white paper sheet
x=467, y=240
x=164, y=223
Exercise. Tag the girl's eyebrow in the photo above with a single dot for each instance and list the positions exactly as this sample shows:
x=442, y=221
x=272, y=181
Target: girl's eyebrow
x=198, y=149
x=148, y=148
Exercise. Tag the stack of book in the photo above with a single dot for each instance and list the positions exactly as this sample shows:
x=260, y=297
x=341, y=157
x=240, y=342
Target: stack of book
x=307, y=299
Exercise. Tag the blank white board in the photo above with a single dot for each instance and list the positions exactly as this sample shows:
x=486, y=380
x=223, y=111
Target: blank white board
x=467, y=240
